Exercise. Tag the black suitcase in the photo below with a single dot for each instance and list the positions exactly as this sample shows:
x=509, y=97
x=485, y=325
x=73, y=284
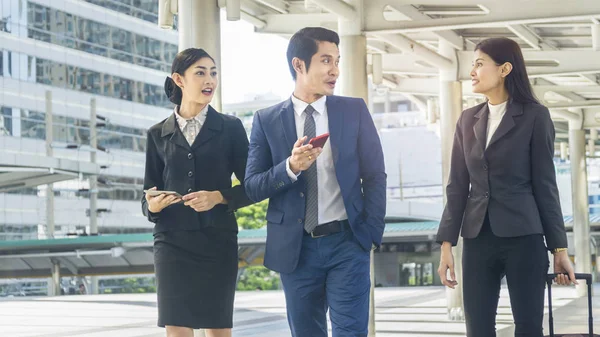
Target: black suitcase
x=588, y=280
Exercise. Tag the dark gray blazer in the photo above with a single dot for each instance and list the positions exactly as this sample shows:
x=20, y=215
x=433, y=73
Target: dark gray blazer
x=220, y=149
x=513, y=179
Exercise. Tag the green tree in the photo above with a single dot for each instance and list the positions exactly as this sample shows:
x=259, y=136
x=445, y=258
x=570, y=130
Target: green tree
x=253, y=216
x=258, y=278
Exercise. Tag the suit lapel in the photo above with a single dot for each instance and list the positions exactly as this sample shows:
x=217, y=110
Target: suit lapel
x=507, y=123
x=335, y=116
x=212, y=126
x=170, y=127
x=480, y=127
x=289, y=123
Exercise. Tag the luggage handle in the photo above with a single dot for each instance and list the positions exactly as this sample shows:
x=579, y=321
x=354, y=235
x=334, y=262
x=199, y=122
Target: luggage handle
x=578, y=276
x=588, y=278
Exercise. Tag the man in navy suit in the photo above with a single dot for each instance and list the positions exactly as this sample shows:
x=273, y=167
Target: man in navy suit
x=326, y=205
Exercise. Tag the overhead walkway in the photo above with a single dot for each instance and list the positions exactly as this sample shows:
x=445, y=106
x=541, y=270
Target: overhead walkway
x=18, y=170
x=132, y=253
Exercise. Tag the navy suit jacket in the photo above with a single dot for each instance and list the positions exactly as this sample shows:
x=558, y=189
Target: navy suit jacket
x=359, y=167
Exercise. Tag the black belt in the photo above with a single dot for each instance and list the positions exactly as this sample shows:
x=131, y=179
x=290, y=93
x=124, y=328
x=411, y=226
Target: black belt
x=329, y=228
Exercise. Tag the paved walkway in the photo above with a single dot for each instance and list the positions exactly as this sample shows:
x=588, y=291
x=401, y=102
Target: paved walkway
x=401, y=312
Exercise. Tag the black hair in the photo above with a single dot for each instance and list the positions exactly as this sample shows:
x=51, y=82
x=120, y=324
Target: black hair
x=183, y=60
x=503, y=50
x=305, y=43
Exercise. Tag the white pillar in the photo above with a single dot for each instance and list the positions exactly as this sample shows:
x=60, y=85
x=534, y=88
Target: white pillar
x=387, y=103
x=199, y=26
x=592, y=142
x=353, y=51
x=432, y=110
x=581, y=224
x=450, y=105
x=93, y=179
x=563, y=151
x=354, y=82
x=55, y=279
x=49, y=153
x=596, y=37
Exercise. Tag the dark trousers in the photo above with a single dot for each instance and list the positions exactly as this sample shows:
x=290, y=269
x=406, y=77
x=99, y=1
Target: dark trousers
x=524, y=262
x=332, y=273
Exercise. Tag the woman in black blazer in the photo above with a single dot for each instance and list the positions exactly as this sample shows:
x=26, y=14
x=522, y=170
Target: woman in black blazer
x=194, y=152
x=502, y=194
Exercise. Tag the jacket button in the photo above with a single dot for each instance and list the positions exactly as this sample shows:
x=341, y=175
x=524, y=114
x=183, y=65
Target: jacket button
x=485, y=167
x=301, y=195
x=189, y=190
x=299, y=220
x=487, y=195
x=190, y=156
x=190, y=174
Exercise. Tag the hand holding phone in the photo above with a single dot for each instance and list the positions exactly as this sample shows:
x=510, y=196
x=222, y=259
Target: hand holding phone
x=159, y=200
x=319, y=141
x=303, y=156
x=154, y=193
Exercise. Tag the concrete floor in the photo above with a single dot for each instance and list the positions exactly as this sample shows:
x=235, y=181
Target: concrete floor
x=401, y=312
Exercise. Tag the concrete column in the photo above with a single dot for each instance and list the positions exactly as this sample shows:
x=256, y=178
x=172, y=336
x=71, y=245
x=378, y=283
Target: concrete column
x=563, y=151
x=450, y=105
x=581, y=224
x=353, y=51
x=387, y=104
x=432, y=110
x=94, y=287
x=596, y=37
x=200, y=27
x=592, y=142
x=50, y=153
x=93, y=181
x=354, y=82
x=55, y=280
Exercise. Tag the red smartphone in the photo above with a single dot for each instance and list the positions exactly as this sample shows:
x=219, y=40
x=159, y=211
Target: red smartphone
x=319, y=141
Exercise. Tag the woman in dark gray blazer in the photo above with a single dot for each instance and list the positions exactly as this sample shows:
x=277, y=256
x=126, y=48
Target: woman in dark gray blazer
x=194, y=152
x=502, y=194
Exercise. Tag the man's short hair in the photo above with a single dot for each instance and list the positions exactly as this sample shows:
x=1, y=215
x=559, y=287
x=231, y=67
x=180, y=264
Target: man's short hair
x=305, y=43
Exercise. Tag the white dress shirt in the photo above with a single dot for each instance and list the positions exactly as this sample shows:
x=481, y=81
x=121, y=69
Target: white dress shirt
x=494, y=119
x=331, y=203
x=190, y=133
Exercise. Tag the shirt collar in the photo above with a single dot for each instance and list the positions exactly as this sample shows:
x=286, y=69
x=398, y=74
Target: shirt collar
x=300, y=106
x=496, y=111
x=201, y=117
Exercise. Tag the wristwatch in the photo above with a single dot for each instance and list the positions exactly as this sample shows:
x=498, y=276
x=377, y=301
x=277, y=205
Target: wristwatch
x=556, y=250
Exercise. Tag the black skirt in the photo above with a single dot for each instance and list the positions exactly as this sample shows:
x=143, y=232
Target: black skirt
x=196, y=275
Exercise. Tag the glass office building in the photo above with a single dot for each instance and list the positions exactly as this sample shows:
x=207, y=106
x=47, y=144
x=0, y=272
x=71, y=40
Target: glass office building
x=111, y=51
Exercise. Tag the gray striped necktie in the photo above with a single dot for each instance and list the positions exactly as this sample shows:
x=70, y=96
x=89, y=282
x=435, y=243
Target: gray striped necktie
x=312, y=194
x=191, y=130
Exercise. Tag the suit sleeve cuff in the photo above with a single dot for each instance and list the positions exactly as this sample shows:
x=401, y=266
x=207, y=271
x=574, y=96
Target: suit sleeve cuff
x=293, y=177
x=153, y=217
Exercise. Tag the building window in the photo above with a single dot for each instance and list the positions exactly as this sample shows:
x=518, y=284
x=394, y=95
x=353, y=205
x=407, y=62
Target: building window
x=73, y=130
x=98, y=38
x=5, y=120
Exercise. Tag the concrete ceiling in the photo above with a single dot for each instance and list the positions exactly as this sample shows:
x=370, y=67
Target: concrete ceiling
x=560, y=41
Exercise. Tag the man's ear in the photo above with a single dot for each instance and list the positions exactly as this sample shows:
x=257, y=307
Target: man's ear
x=298, y=65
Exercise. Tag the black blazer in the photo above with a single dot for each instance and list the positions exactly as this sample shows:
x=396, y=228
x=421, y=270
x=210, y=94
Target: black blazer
x=513, y=179
x=220, y=149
